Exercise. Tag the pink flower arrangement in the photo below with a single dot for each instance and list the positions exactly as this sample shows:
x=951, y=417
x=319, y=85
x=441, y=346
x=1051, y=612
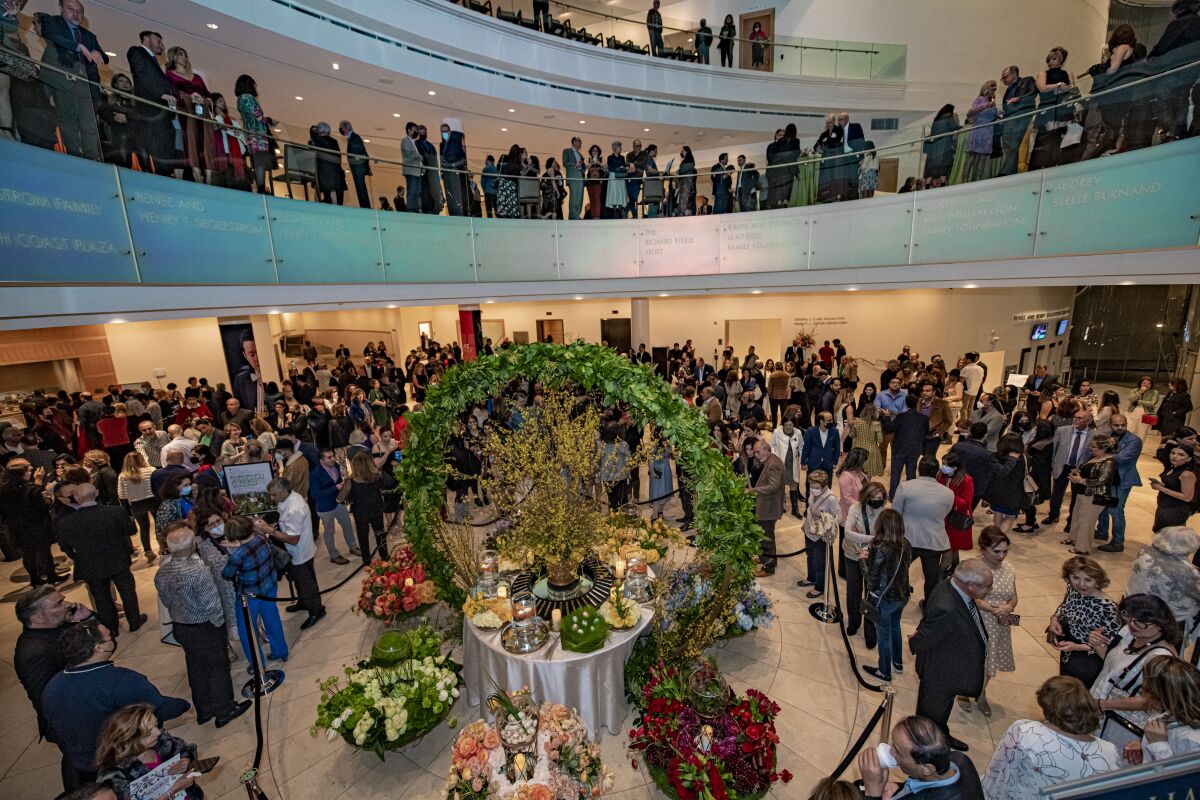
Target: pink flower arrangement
x=395, y=587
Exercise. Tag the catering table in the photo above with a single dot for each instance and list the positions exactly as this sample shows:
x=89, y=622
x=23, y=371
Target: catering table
x=591, y=683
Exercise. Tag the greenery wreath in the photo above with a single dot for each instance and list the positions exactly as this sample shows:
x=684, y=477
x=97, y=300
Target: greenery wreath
x=727, y=532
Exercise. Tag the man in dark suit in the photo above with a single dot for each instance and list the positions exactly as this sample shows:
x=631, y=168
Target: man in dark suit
x=360, y=165
x=1036, y=385
x=853, y=141
x=1020, y=97
x=822, y=446
x=934, y=771
x=98, y=539
x=978, y=462
x=950, y=644
x=157, y=131
x=768, y=503
x=73, y=48
x=572, y=164
x=909, y=429
x=1072, y=447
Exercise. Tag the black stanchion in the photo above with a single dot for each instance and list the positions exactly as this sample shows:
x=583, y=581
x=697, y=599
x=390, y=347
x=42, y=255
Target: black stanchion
x=826, y=611
x=885, y=706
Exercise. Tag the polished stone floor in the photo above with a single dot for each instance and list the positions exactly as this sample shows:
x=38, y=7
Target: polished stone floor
x=800, y=663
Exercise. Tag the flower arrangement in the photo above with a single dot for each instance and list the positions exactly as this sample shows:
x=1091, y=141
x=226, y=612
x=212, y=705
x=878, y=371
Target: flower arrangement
x=752, y=610
x=395, y=588
x=487, y=612
x=648, y=540
x=725, y=757
x=583, y=630
x=619, y=611
x=384, y=708
x=567, y=767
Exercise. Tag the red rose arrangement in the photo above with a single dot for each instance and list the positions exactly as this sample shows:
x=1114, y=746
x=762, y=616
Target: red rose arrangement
x=396, y=587
x=728, y=757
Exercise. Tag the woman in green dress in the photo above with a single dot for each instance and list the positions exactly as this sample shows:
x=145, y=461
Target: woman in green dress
x=379, y=407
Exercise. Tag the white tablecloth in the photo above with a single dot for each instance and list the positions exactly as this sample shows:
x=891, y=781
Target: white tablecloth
x=591, y=683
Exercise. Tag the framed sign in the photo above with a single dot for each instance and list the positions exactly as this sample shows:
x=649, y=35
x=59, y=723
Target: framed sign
x=248, y=487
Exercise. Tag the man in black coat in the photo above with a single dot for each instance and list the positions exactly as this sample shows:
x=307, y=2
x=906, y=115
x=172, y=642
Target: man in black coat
x=157, y=131
x=978, y=462
x=909, y=430
x=950, y=644
x=360, y=164
x=98, y=539
x=73, y=48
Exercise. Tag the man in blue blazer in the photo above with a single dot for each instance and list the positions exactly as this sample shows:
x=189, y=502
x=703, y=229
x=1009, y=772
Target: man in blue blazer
x=324, y=485
x=73, y=48
x=822, y=446
x=1126, y=451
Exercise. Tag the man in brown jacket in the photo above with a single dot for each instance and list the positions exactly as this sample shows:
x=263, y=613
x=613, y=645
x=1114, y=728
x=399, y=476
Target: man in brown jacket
x=768, y=505
x=777, y=390
x=940, y=417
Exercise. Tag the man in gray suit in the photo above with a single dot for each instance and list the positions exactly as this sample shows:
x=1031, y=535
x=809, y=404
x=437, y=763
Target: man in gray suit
x=412, y=169
x=768, y=504
x=572, y=161
x=924, y=504
x=1072, y=447
x=989, y=415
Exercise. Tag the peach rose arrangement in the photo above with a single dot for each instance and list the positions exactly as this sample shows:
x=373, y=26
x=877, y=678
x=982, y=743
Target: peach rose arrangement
x=396, y=588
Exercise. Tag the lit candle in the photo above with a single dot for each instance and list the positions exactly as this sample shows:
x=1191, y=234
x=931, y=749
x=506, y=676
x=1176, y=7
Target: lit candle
x=408, y=582
x=555, y=618
x=524, y=608
x=620, y=569
x=502, y=591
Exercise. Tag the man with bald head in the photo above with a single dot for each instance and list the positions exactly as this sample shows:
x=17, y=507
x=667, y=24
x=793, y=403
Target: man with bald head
x=189, y=592
x=179, y=443
x=99, y=539
x=950, y=644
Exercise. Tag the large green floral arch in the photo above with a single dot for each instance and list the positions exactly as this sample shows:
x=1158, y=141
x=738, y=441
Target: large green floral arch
x=724, y=511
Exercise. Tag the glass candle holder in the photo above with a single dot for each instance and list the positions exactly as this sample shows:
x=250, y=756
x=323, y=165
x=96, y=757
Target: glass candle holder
x=637, y=583
x=489, y=572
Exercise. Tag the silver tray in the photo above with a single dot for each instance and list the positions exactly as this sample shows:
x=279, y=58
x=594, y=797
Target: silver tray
x=507, y=639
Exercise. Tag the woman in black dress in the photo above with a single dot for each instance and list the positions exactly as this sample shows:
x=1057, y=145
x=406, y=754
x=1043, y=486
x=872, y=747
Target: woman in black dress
x=1053, y=85
x=1084, y=610
x=725, y=45
x=1172, y=414
x=1176, y=488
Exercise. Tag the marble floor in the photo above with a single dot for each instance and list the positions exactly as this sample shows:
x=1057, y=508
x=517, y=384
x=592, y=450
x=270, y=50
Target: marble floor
x=799, y=662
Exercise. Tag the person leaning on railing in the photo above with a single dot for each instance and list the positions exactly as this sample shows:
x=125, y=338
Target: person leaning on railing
x=1174, y=95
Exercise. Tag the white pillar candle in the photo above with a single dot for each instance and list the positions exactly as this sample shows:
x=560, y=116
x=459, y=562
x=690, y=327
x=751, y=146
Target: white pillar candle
x=620, y=569
x=555, y=618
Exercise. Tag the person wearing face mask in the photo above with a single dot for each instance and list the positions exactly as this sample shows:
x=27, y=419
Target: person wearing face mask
x=176, y=494
x=820, y=518
x=97, y=538
x=859, y=529
x=431, y=198
x=90, y=689
x=768, y=491
x=412, y=169
x=187, y=589
x=1127, y=448
x=453, y=151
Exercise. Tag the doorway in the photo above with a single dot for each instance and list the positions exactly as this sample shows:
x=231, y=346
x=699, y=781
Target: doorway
x=618, y=332
x=747, y=49
x=1025, y=368
x=889, y=175
x=551, y=329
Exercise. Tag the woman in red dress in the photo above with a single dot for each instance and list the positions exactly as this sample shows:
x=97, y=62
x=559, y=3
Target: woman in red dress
x=196, y=101
x=953, y=475
x=229, y=157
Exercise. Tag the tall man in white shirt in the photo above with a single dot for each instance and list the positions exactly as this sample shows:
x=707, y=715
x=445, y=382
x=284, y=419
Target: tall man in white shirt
x=182, y=444
x=973, y=375
x=294, y=529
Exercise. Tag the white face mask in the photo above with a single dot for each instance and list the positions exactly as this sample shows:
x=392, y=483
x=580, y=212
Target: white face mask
x=217, y=531
x=947, y=470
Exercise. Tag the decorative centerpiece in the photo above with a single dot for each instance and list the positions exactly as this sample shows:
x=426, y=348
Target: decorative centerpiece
x=487, y=612
x=751, y=610
x=537, y=483
x=527, y=631
x=563, y=764
x=620, y=612
x=584, y=631
x=381, y=708
x=707, y=690
x=396, y=589
x=516, y=720
x=730, y=754
x=634, y=537
x=637, y=580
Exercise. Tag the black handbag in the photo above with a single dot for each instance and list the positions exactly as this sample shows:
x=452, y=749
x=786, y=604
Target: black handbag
x=959, y=520
x=872, y=600
x=281, y=559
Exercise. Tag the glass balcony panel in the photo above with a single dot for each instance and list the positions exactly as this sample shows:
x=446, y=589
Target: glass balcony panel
x=854, y=60
x=864, y=233
x=422, y=248
x=889, y=62
x=977, y=222
x=680, y=246
x=820, y=58
x=515, y=250
x=600, y=249
x=767, y=241
x=317, y=241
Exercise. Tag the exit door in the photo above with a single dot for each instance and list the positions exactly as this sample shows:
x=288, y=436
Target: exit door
x=618, y=332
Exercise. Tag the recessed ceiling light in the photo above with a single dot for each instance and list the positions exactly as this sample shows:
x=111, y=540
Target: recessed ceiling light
x=277, y=130
x=756, y=291
x=970, y=286
x=110, y=54
x=663, y=294
x=583, y=122
x=578, y=297
x=512, y=111
x=851, y=288
x=298, y=97
x=368, y=141
x=645, y=130
x=212, y=26
x=490, y=301
x=397, y=116
x=504, y=130
x=1127, y=283
x=273, y=311
x=391, y=305
x=431, y=93
x=335, y=65
x=1157, y=324
x=118, y=321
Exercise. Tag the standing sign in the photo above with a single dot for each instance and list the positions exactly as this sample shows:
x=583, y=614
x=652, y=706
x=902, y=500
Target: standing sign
x=248, y=487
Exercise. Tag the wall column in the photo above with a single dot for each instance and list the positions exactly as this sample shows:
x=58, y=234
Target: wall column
x=639, y=313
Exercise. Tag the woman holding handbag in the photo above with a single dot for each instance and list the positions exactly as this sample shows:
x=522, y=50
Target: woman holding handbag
x=960, y=523
x=1176, y=488
x=888, y=560
x=1142, y=402
x=861, y=518
x=1150, y=630
x=996, y=611
x=1096, y=480
x=1007, y=492
x=1084, y=610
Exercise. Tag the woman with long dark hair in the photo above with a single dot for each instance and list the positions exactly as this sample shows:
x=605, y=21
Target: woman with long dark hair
x=1005, y=492
x=725, y=44
x=1176, y=488
x=940, y=146
x=1172, y=414
x=888, y=590
x=507, y=205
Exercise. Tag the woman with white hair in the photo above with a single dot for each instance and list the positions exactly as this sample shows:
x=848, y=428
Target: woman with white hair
x=1165, y=569
x=331, y=179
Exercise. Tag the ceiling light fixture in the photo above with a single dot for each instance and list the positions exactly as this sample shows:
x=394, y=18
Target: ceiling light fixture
x=110, y=54
x=583, y=122
x=512, y=111
x=851, y=288
x=212, y=26
x=273, y=311
x=663, y=294
x=119, y=321
x=1157, y=324
x=756, y=291
x=578, y=297
x=391, y=305
x=298, y=97
x=431, y=93
x=396, y=115
x=645, y=130
x=1127, y=283
x=491, y=301
x=366, y=141
x=504, y=130
x=970, y=286
x=336, y=65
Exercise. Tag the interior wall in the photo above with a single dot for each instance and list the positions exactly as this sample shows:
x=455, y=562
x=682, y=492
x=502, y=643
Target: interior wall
x=181, y=348
x=49, y=375
x=85, y=345
x=763, y=334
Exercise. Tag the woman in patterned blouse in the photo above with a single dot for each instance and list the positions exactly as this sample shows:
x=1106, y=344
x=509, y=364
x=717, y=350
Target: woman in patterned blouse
x=1084, y=609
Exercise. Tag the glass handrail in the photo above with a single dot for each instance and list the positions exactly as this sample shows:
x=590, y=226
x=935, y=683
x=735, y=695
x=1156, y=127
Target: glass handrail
x=1147, y=84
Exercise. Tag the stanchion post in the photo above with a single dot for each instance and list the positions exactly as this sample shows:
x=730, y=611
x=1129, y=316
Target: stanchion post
x=885, y=722
x=262, y=681
x=826, y=611
x=250, y=781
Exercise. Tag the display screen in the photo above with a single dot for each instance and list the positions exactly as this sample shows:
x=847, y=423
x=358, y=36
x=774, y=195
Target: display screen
x=1039, y=331
x=1062, y=326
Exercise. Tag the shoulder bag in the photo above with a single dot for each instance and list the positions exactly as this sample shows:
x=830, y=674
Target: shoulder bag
x=281, y=559
x=1116, y=728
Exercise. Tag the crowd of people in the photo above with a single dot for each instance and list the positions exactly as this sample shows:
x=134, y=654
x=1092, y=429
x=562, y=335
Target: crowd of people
x=875, y=477
x=163, y=117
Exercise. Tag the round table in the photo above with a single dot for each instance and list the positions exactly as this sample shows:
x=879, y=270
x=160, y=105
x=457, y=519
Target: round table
x=592, y=683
